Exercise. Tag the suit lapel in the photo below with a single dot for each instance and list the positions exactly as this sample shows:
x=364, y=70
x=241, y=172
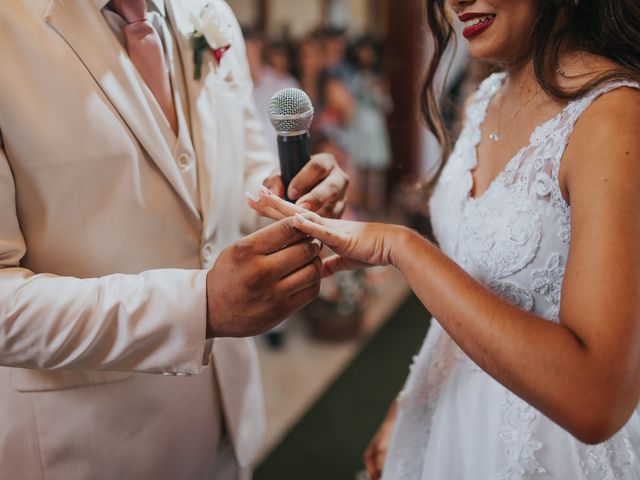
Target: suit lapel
x=82, y=26
x=200, y=99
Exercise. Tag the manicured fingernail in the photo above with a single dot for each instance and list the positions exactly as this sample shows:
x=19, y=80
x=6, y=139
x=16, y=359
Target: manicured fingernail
x=301, y=218
x=251, y=196
x=305, y=205
x=293, y=193
x=265, y=190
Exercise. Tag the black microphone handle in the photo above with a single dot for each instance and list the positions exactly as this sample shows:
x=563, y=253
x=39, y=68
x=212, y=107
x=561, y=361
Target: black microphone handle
x=294, y=153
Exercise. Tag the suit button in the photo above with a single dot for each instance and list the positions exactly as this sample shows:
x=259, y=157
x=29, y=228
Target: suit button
x=184, y=160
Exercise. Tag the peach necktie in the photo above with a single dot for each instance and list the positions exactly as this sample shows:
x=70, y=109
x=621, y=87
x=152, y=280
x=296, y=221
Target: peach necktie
x=145, y=51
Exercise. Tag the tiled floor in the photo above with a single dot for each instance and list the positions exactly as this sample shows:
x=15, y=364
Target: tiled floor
x=296, y=376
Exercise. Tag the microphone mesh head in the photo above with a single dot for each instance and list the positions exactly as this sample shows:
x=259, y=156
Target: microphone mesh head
x=291, y=111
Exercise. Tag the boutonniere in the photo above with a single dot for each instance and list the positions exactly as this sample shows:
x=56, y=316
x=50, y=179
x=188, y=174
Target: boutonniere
x=212, y=32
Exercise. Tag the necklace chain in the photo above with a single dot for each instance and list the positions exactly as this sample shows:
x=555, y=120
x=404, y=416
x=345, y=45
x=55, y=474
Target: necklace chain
x=495, y=135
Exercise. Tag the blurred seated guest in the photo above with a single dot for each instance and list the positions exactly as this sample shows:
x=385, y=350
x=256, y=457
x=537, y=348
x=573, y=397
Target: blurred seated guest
x=369, y=137
x=331, y=99
x=266, y=80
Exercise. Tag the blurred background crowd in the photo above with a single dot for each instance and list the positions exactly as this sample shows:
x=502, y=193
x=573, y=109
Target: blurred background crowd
x=344, y=78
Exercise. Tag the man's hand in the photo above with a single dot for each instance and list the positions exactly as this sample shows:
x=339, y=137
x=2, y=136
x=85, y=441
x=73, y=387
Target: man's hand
x=261, y=280
x=321, y=186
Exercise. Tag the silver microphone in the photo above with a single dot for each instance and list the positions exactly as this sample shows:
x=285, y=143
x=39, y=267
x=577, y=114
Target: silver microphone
x=291, y=113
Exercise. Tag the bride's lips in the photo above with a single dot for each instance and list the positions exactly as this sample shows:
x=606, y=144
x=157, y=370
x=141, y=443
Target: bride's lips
x=476, y=23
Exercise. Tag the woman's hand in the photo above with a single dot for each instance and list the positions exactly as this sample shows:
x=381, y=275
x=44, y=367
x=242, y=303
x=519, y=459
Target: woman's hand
x=356, y=244
x=376, y=453
x=269, y=204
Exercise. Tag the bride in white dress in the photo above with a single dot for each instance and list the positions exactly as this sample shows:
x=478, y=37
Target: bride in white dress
x=532, y=369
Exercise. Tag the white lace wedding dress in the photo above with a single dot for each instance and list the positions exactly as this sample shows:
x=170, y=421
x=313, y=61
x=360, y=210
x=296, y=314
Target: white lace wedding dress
x=454, y=421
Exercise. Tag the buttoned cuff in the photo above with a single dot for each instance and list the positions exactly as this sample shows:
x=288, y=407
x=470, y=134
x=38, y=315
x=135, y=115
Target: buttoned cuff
x=190, y=327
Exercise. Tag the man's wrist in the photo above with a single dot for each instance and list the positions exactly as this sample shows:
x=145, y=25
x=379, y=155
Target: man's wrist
x=209, y=332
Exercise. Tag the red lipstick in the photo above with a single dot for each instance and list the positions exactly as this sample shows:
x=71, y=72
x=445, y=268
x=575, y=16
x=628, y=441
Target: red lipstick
x=478, y=28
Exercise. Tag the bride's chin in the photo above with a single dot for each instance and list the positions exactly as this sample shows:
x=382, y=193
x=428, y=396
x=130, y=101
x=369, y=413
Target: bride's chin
x=498, y=54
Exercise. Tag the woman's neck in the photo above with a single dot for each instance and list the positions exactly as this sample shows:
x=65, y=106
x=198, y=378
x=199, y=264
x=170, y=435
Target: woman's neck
x=521, y=81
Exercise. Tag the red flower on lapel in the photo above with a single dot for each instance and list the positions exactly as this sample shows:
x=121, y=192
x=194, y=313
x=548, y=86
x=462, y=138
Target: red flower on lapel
x=218, y=53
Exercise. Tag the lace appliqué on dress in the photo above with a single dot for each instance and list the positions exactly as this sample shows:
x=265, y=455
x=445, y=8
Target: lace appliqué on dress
x=610, y=460
x=548, y=283
x=499, y=252
x=520, y=444
x=564, y=215
x=514, y=294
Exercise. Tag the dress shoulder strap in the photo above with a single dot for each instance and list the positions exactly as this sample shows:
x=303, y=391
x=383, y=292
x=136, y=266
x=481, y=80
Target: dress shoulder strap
x=575, y=109
x=572, y=112
x=490, y=86
x=477, y=108
x=487, y=89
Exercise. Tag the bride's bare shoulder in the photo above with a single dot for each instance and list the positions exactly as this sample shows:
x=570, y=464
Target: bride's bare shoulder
x=605, y=138
x=616, y=111
x=613, y=109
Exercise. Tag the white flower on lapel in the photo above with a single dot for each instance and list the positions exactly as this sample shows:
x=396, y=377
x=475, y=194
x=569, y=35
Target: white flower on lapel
x=214, y=25
x=212, y=31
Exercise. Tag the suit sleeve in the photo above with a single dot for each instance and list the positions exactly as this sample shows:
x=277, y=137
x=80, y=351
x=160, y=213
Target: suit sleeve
x=153, y=322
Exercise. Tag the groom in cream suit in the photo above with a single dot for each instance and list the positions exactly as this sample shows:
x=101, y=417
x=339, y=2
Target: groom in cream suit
x=123, y=271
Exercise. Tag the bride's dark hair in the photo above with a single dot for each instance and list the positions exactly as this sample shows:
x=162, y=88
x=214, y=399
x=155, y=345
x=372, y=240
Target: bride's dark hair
x=609, y=28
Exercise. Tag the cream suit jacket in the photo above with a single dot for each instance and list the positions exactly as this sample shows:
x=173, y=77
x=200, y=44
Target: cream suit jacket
x=103, y=254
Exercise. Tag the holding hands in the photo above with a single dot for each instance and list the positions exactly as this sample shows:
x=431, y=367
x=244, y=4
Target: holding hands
x=356, y=244
x=264, y=278
x=267, y=276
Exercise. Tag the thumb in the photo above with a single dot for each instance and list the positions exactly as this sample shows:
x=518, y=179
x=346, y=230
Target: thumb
x=275, y=237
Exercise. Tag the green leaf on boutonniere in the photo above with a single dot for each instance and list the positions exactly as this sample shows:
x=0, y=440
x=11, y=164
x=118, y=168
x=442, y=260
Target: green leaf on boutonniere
x=200, y=45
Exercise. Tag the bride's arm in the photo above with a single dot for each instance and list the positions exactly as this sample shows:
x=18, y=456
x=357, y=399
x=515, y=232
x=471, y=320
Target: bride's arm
x=583, y=372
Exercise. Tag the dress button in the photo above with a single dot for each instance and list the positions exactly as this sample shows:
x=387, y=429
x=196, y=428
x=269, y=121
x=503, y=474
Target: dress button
x=182, y=374
x=207, y=252
x=184, y=160
x=168, y=374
